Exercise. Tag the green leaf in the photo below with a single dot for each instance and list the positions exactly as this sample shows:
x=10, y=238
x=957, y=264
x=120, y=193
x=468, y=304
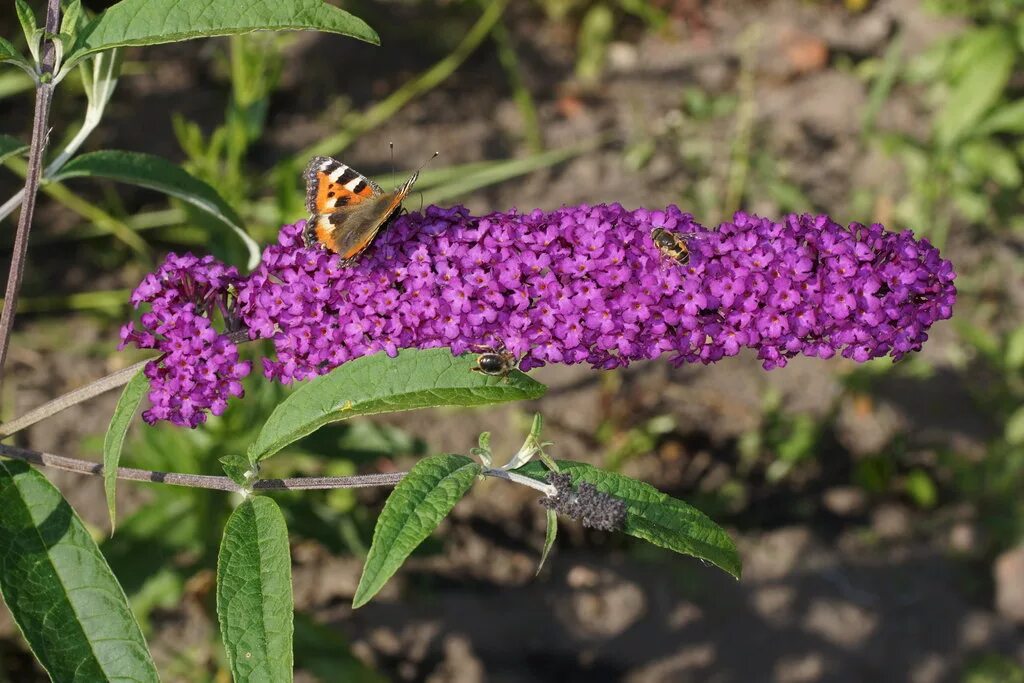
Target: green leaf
x=379, y=384
x=655, y=517
x=71, y=20
x=413, y=510
x=60, y=589
x=550, y=533
x=982, y=80
x=150, y=22
x=8, y=53
x=1007, y=118
x=239, y=469
x=29, y=27
x=9, y=146
x=156, y=173
x=1013, y=431
x=254, y=592
x=129, y=402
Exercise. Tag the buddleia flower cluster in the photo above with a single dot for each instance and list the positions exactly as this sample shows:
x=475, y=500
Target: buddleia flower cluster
x=199, y=368
x=588, y=284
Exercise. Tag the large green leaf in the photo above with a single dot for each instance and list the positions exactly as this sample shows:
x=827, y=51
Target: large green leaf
x=254, y=593
x=379, y=384
x=413, y=510
x=149, y=22
x=59, y=588
x=654, y=516
x=987, y=62
x=156, y=173
x=113, y=442
x=9, y=146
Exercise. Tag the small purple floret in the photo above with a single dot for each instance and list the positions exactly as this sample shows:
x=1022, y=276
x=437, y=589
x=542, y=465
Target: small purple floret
x=579, y=284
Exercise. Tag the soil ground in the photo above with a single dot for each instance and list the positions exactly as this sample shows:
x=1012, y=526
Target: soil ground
x=837, y=586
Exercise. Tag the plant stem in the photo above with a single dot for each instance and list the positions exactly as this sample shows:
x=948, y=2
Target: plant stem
x=205, y=481
x=103, y=384
x=40, y=133
x=94, y=388
x=200, y=481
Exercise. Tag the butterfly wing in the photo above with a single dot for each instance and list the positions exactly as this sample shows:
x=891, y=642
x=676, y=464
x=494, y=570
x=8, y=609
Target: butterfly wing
x=357, y=229
x=333, y=190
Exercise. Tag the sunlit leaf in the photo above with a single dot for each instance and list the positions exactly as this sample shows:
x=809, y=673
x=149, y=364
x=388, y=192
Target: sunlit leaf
x=413, y=510
x=149, y=22
x=379, y=384
x=156, y=173
x=113, y=442
x=59, y=588
x=254, y=593
x=654, y=516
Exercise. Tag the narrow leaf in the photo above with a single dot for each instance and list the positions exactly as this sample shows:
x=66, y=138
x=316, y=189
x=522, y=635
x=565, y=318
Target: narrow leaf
x=129, y=402
x=8, y=53
x=413, y=510
x=9, y=146
x=550, y=533
x=156, y=173
x=150, y=22
x=982, y=81
x=27, y=19
x=655, y=517
x=60, y=589
x=379, y=384
x=1008, y=118
x=254, y=592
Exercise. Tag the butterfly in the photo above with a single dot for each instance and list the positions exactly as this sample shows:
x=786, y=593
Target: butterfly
x=347, y=209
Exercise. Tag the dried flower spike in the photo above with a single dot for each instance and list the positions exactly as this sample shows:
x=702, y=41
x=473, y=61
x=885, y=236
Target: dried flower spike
x=585, y=503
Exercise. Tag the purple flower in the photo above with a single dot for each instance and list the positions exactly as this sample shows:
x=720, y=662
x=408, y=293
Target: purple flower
x=587, y=284
x=579, y=284
x=199, y=368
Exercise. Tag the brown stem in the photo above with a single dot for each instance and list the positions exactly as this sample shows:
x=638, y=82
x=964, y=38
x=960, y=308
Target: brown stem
x=200, y=481
x=94, y=388
x=40, y=134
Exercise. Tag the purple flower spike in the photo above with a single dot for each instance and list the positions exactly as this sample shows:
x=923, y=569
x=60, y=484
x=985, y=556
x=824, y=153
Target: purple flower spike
x=582, y=284
x=587, y=285
x=200, y=368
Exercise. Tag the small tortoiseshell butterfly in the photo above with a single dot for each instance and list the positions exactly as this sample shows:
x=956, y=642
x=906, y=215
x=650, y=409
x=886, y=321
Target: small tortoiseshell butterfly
x=347, y=209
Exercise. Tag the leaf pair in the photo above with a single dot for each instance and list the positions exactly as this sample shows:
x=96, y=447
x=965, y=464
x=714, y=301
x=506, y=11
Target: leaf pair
x=432, y=488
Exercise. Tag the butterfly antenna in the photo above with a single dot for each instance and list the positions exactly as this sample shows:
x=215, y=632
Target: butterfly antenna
x=392, y=146
x=427, y=161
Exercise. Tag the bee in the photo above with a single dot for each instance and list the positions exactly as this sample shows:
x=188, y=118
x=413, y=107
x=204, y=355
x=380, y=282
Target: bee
x=672, y=245
x=495, y=362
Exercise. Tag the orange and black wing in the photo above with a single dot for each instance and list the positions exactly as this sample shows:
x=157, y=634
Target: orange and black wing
x=333, y=191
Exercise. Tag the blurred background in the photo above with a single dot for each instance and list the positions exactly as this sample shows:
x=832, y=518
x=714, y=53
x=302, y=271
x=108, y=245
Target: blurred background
x=879, y=508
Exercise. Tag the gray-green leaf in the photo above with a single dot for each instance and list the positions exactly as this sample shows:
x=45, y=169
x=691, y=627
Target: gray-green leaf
x=982, y=79
x=149, y=22
x=60, y=589
x=113, y=442
x=254, y=593
x=156, y=173
x=413, y=510
x=379, y=384
x=654, y=516
x=550, y=533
